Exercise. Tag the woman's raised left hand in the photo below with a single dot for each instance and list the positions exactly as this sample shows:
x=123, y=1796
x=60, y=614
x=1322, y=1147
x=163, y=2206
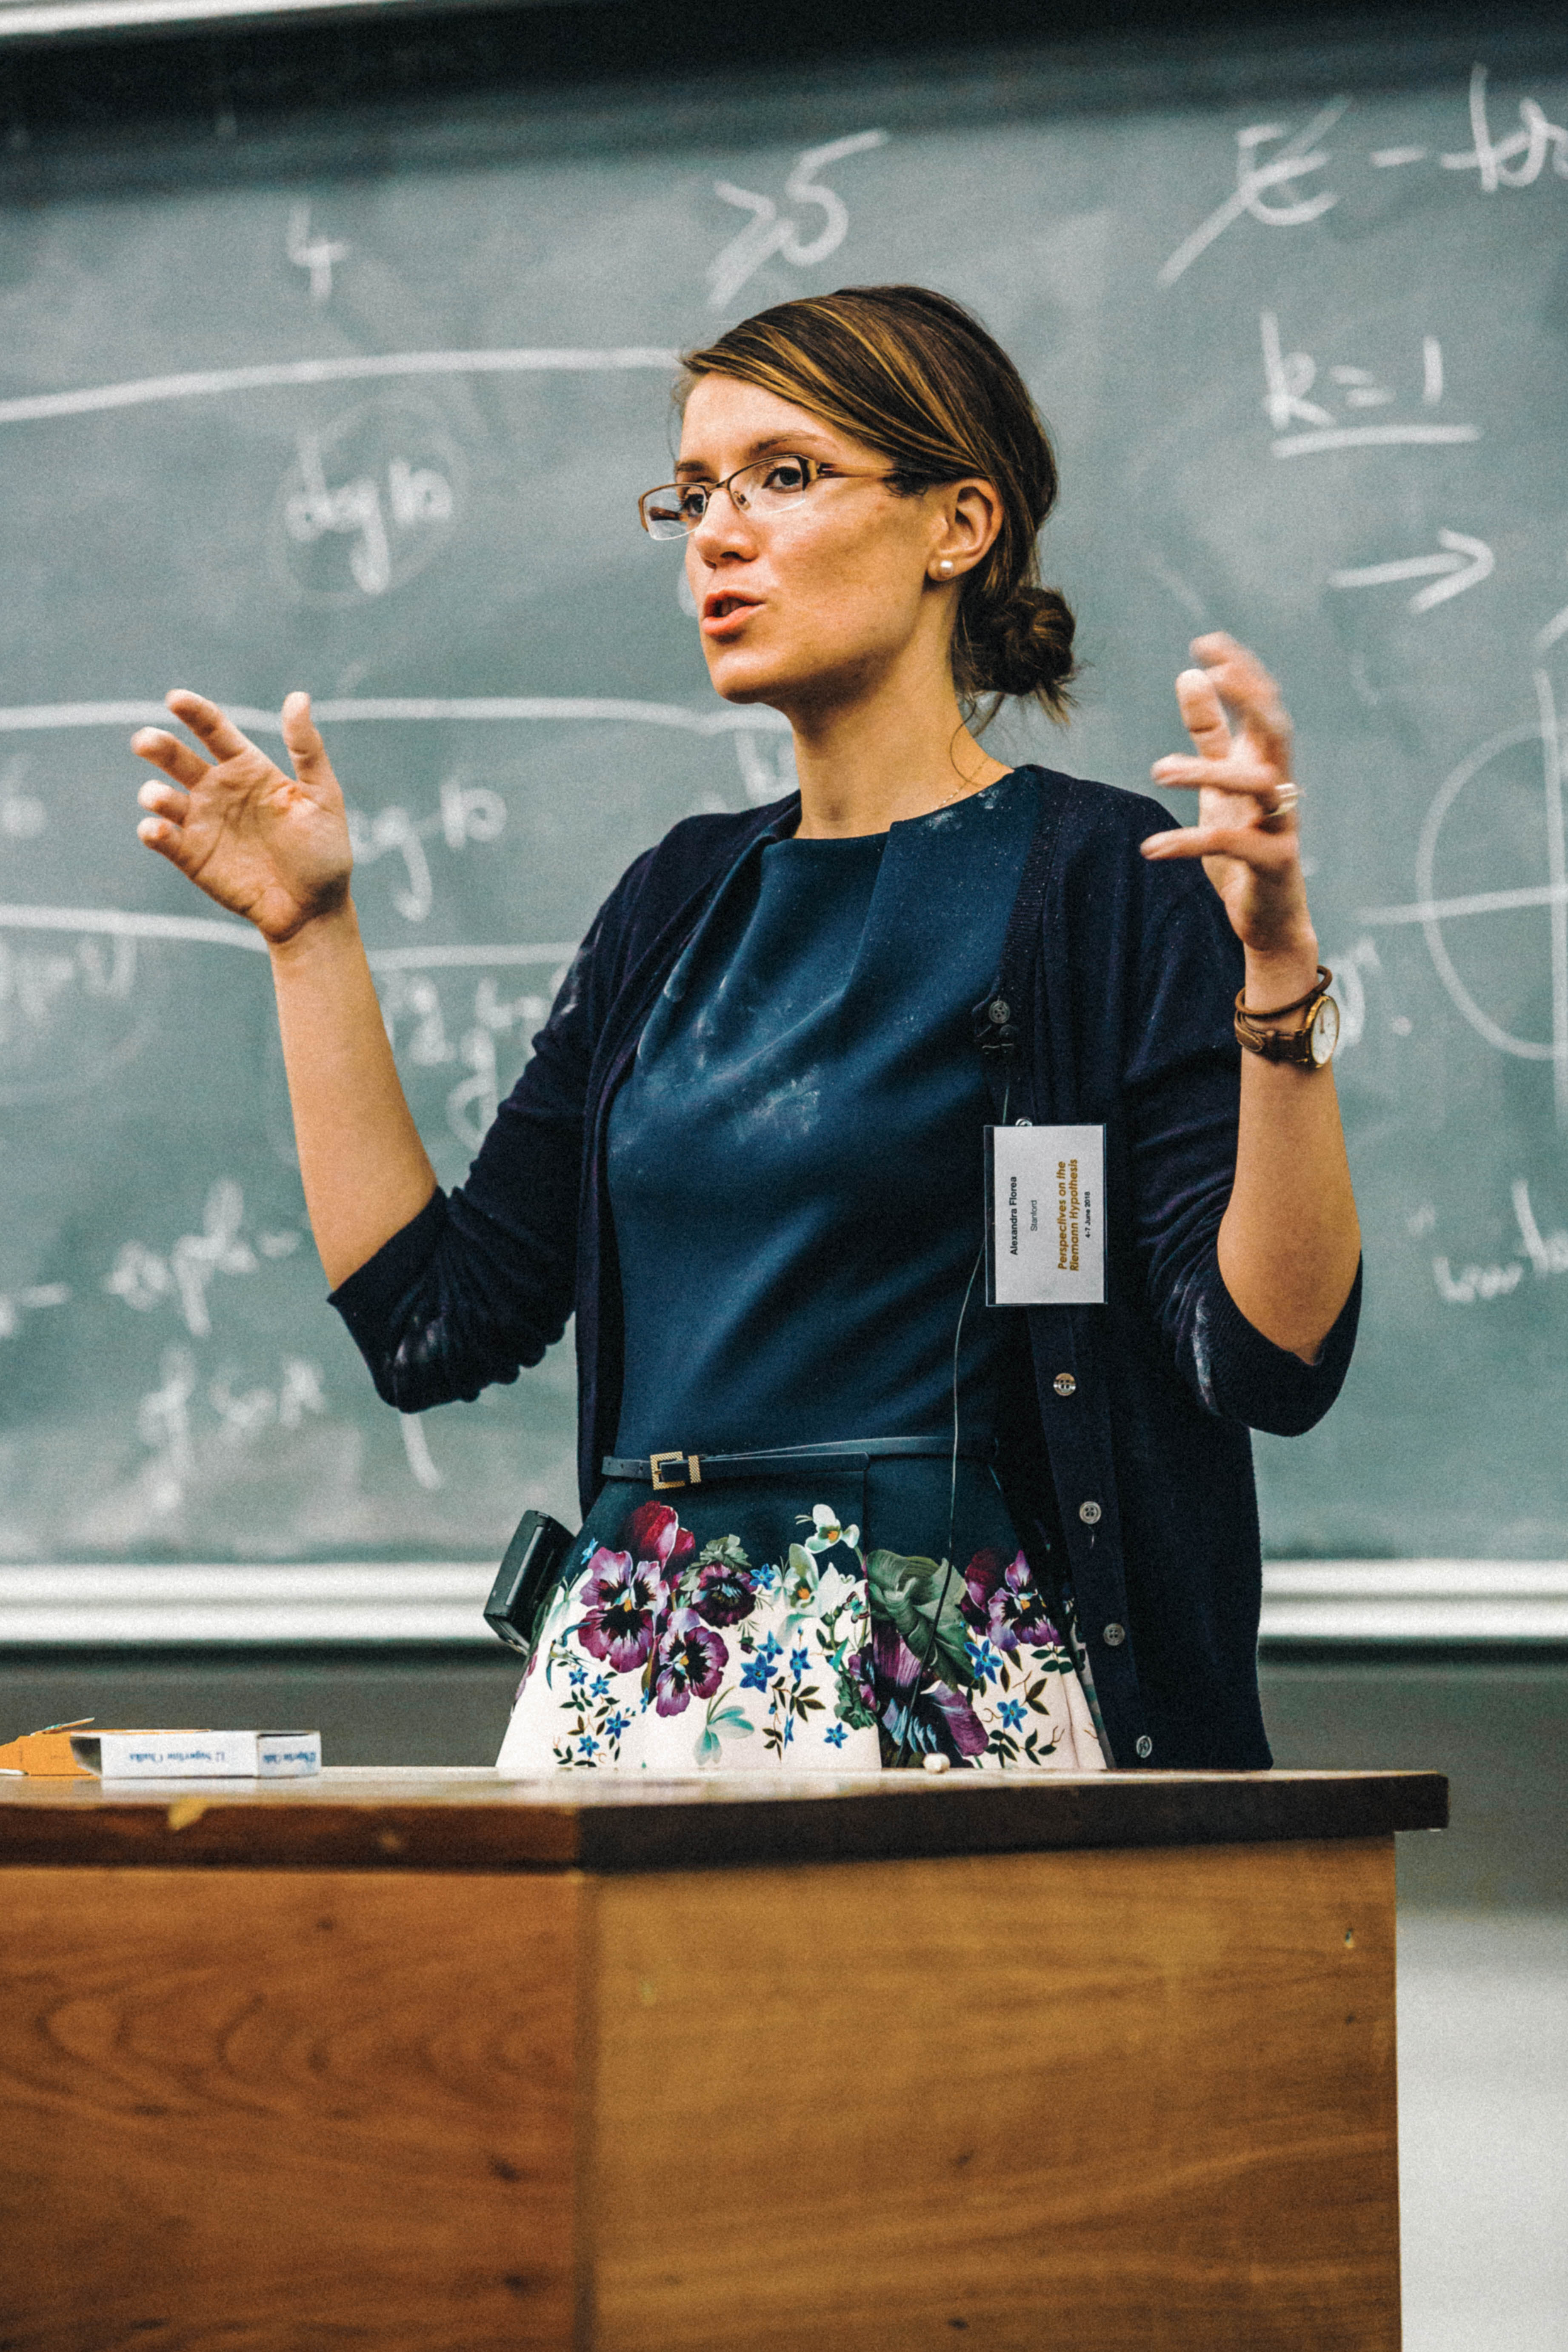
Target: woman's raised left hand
x=1247, y=832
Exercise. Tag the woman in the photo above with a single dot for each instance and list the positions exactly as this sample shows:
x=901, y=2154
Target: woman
x=838, y=1509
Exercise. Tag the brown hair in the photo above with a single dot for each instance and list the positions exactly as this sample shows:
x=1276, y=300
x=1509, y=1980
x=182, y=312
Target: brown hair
x=917, y=378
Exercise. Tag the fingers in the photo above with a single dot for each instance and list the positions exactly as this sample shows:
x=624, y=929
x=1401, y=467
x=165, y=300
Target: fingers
x=1265, y=850
x=163, y=801
x=306, y=748
x=167, y=752
x=1240, y=680
x=1258, y=762
x=158, y=833
x=163, y=828
x=1240, y=773
x=1202, y=715
x=204, y=719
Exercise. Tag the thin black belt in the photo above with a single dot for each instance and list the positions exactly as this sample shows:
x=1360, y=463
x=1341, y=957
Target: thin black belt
x=667, y=1472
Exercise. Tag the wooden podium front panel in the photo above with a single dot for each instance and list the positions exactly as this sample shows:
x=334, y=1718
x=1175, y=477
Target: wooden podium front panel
x=287, y=2111
x=1116, y=2101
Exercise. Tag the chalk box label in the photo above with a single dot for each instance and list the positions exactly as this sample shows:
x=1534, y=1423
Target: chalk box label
x=1044, y=1216
x=198, y=1755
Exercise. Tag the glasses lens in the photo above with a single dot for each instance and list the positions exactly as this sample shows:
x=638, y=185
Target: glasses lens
x=674, y=510
x=771, y=485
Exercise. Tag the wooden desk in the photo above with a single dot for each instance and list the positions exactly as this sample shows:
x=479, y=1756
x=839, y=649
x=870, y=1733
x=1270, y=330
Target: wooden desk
x=429, y=2062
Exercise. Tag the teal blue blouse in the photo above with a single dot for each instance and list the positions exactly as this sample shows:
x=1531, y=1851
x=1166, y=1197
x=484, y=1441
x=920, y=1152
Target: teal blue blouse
x=796, y=1158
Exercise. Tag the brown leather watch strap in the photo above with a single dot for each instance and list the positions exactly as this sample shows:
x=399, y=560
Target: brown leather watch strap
x=1319, y=987
x=1257, y=1033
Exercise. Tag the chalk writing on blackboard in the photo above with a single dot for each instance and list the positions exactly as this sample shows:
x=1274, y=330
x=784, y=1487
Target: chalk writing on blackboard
x=31, y=1300
x=344, y=367
x=69, y=1015
x=369, y=501
x=1548, y=1253
x=23, y=816
x=1519, y=157
x=1457, y=563
x=416, y=1447
x=1463, y=1286
x=1271, y=179
x=491, y=710
x=143, y=1278
x=166, y=1416
x=163, y=1425
x=772, y=229
x=298, y=1392
x=1266, y=185
x=1291, y=377
x=318, y=255
x=427, y=1032
x=1469, y=1286
x=466, y=813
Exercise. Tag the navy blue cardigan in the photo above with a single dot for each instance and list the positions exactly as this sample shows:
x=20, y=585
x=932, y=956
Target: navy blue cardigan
x=1117, y=984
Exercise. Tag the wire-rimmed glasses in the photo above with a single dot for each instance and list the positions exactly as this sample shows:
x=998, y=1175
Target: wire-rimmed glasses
x=767, y=487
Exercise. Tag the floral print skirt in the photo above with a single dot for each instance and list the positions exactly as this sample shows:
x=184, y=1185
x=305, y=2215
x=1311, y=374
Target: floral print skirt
x=756, y=1624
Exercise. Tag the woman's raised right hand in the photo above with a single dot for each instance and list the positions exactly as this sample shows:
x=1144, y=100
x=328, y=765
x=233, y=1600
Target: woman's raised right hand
x=270, y=846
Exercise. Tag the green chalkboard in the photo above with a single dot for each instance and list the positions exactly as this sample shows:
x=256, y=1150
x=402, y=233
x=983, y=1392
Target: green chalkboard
x=368, y=411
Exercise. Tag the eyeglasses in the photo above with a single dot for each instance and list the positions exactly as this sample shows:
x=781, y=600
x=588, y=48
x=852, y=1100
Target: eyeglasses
x=766, y=487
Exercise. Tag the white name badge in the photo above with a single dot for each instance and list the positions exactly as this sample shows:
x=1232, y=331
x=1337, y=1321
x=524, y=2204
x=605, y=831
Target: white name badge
x=1045, y=1227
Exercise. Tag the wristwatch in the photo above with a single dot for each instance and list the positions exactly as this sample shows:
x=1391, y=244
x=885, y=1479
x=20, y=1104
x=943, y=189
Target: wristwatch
x=1310, y=1045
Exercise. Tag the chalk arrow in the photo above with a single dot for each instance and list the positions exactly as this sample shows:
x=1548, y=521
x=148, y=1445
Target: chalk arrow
x=1463, y=564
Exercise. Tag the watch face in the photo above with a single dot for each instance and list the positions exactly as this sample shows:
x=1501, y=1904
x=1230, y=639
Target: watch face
x=1325, y=1033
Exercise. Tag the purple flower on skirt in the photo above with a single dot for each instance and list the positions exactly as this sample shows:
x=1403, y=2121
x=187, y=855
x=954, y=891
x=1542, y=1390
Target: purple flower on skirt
x=940, y=1719
x=626, y=1602
x=860, y=1670
x=689, y=1663
x=724, y=1593
x=1001, y=1602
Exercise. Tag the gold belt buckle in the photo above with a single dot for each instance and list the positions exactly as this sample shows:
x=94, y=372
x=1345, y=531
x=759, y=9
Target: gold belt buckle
x=692, y=1467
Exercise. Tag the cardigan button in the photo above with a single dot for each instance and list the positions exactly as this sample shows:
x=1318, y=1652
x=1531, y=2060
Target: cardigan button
x=999, y=1011
x=1146, y=1749
x=1114, y=1636
x=1090, y=1514
x=1064, y=1384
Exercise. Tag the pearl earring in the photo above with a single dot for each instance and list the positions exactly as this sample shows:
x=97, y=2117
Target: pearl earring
x=945, y=566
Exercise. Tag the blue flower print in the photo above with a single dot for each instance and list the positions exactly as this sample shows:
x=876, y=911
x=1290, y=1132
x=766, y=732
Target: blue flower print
x=798, y=1661
x=578, y=1676
x=836, y=1735
x=757, y=1673
x=588, y=1745
x=1013, y=1713
x=616, y=1722
x=601, y=1687
x=985, y=1661
x=771, y=1649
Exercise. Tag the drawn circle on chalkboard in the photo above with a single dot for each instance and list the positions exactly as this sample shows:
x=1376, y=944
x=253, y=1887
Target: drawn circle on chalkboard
x=1520, y=808
x=370, y=501
x=71, y=1012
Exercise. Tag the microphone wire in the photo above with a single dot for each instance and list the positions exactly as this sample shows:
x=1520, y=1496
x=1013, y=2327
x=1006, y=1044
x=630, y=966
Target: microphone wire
x=922, y=1666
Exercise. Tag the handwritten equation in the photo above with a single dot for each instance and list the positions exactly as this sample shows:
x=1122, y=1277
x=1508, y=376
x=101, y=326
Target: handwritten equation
x=465, y=813
x=1293, y=400
x=780, y=228
x=1278, y=174
x=1476, y=1283
x=369, y=501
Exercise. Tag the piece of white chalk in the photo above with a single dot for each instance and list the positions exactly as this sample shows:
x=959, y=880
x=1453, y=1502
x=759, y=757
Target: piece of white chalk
x=937, y=1764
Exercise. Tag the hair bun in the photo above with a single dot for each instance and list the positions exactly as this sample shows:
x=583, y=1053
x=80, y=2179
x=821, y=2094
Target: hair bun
x=1022, y=644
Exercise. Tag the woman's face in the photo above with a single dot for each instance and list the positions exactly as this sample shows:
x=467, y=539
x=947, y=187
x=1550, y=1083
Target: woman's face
x=814, y=605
